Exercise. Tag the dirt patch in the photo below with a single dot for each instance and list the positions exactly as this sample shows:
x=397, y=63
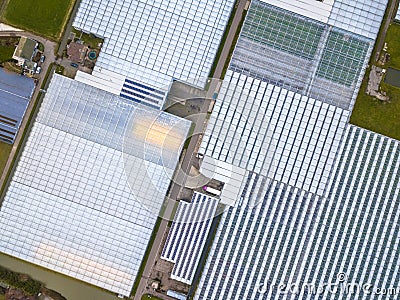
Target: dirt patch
x=375, y=78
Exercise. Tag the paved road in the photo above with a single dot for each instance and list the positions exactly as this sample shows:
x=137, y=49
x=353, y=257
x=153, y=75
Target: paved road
x=392, y=9
x=241, y=5
x=49, y=48
x=189, y=156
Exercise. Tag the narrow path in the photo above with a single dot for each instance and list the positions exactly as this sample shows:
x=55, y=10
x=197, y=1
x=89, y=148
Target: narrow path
x=241, y=5
x=187, y=160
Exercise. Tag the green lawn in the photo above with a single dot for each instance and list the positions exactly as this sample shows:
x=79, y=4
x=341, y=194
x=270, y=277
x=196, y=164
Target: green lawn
x=5, y=150
x=372, y=114
x=7, y=47
x=88, y=39
x=44, y=17
x=393, y=41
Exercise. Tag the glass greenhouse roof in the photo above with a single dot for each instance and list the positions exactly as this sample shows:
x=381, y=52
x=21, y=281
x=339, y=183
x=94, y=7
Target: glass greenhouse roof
x=92, y=177
x=156, y=41
x=319, y=197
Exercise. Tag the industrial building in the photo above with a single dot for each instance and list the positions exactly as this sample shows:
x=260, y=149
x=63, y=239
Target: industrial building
x=187, y=236
x=318, y=196
x=90, y=182
x=152, y=43
x=15, y=94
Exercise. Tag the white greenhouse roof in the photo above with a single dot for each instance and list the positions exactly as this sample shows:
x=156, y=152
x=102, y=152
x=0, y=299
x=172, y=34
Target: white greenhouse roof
x=317, y=10
x=153, y=40
x=188, y=234
x=362, y=17
x=295, y=236
x=76, y=203
x=274, y=132
x=321, y=197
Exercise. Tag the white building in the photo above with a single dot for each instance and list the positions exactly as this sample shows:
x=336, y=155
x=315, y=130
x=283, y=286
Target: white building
x=85, y=196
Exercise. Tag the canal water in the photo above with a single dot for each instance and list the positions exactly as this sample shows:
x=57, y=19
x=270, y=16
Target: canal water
x=70, y=288
x=393, y=77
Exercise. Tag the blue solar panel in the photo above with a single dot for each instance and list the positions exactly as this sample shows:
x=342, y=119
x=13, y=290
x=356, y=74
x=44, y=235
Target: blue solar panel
x=144, y=86
x=142, y=91
x=15, y=94
x=138, y=101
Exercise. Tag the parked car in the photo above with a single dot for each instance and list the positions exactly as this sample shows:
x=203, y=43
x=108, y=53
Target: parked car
x=38, y=70
x=74, y=65
x=42, y=58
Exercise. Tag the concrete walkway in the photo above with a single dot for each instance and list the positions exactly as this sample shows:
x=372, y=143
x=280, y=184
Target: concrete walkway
x=175, y=191
x=241, y=6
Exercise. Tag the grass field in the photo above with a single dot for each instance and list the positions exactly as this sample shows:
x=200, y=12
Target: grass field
x=7, y=47
x=372, y=114
x=6, y=53
x=44, y=17
x=5, y=150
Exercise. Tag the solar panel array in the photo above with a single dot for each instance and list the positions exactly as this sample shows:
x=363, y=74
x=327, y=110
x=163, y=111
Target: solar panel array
x=154, y=41
x=187, y=236
x=144, y=94
x=330, y=204
x=70, y=206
